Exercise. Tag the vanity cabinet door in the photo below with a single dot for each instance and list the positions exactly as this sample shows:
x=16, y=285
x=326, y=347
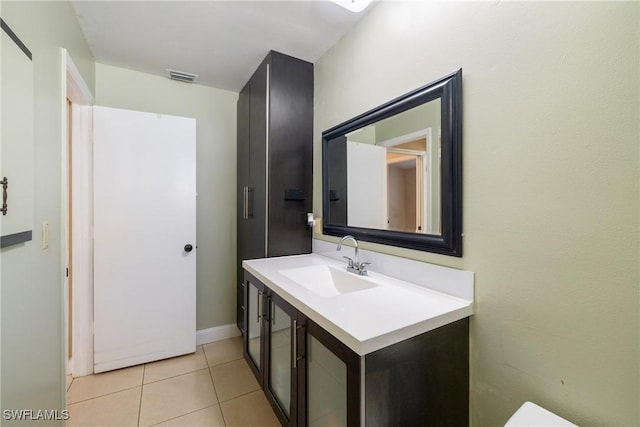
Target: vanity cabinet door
x=332, y=383
x=282, y=356
x=255, y=309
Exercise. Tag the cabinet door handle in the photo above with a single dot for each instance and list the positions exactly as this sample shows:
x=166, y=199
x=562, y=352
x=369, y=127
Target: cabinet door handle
x=295, y=344
x=247, y=202
x=245, y=198
x=296, y=358
x=259, y=306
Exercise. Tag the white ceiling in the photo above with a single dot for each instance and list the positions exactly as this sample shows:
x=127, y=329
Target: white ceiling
x=221, y=41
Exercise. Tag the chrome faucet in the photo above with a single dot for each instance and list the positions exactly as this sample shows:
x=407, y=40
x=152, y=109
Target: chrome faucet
x=356, y=266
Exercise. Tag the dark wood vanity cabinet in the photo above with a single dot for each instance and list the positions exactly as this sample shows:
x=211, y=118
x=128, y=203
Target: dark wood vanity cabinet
x=421, y=381
x=308, y=376
x=311, y=378
x=274, y=157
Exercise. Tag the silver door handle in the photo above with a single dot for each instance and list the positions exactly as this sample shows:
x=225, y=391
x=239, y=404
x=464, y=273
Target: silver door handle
x=295, y=344
x=245, y=197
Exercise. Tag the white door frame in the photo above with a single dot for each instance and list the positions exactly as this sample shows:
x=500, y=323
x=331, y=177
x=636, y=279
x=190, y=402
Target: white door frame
x=76, y=89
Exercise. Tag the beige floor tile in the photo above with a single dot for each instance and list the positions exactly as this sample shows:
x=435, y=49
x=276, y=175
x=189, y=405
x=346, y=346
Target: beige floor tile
x=90, y=386
x=224, y=351
x=249, y=410
x=207, y=417
x=233, y=379
x=167, y=368
x=176, y=396
x=117, y=409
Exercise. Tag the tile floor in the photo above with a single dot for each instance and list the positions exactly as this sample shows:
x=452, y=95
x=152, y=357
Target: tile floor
x=212, y=387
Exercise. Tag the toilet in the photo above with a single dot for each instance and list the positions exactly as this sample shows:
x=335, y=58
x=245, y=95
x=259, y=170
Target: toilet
x=532, y=415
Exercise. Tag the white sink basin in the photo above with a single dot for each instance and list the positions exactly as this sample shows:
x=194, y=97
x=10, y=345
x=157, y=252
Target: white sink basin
x=327, y=281
x=366, y=313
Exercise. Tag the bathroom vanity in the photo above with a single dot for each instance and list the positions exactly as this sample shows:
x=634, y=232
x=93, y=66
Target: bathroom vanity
x=331, y=347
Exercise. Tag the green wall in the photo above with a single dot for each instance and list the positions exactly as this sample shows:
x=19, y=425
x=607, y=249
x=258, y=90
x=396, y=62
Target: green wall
x=215, y=114
x=32, y=337
x=551, y=186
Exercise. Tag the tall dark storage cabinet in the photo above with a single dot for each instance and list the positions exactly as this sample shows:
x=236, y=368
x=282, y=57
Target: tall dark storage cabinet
x=275, y=148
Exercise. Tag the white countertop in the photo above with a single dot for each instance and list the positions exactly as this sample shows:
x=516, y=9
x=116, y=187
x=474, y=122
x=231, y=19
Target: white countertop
x=369, y=319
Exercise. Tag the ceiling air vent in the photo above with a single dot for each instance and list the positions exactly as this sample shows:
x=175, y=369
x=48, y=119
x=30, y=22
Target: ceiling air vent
x=182, y=76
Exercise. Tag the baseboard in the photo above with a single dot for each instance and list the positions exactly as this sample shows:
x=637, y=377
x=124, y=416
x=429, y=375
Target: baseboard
x=217, y=333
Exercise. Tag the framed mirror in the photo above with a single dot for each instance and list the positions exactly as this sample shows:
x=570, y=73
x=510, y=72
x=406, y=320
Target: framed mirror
x=393, y=175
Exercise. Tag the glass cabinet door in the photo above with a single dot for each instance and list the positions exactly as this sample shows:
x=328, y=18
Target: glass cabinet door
x=332, y=380
x=326, y=386
x=254, y=314
x=280, y=350
x=281, y=378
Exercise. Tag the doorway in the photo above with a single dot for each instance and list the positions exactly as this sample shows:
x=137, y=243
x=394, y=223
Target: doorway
x=405, y=178
x=77, y=267
x=406, y=185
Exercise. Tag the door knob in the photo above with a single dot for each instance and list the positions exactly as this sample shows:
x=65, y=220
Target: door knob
x=188, y=248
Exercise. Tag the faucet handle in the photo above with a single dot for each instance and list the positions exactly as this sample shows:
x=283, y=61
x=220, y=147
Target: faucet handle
x=350, y=261
x=362, y=268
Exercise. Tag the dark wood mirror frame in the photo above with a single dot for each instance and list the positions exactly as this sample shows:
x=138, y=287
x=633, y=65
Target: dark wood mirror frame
x=449, y=90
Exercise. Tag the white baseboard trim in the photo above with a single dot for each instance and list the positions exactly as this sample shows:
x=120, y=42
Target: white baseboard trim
x=217, y=333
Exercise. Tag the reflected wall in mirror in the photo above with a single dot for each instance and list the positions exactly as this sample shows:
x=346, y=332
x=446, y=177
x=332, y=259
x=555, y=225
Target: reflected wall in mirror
x=393, y=175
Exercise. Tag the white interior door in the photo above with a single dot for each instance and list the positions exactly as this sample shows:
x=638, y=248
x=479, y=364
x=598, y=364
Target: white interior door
x=366, y=185
x=144, y=216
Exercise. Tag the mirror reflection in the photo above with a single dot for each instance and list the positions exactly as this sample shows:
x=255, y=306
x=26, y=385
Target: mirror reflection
x=387, y=175
x=393, y=175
